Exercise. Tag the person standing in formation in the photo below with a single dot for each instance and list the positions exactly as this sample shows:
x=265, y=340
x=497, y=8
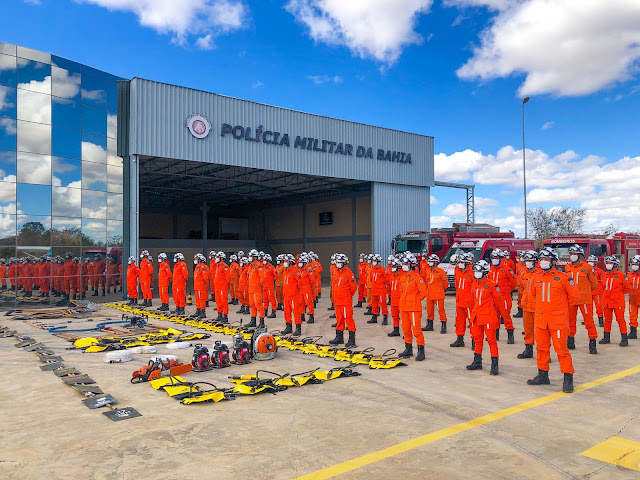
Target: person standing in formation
x=179, y=290
x=164, y=279
x=132, y=281
x=464, y=280
x=344, y=286
x=615, y=284
x=585, y=279
x=200, y=284
x=146, y=276
x=437, y=283
x=221, y=285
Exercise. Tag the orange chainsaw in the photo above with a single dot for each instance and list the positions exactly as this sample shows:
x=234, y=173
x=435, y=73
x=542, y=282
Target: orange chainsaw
x=159, y=368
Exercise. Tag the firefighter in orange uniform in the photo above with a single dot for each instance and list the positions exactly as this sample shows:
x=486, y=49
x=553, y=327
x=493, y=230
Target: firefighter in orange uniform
x=268, y=292
x=596, y=295
x=528, y=301
x=634, y=296
x=368, y=284
x=615, y=284
x=317, y=268
x=179, y=290
x=45, y=271
x=307, y=278
x=344, y=286
x=3, y=274
x=412, y=291
x=69, y=272
x=362, y=278
x=437, y=283
x=504, y=277
x=112, y=274
x=200, y=284
x=12, y=273
x=553, y=291
x=255, y=284
x=212, y=275
x=99, y=268
x=243, y=281
x=221, y=284
x=83, y=277
x=146, y=275
x=234, y=279
x=164, y=279
x=132, y=281
x=487, y=302
x=520, y=269
x=585, y=279
x=291, y=292
x=393, y=280
x=378, y=282
x=464, y=281
x=279, y=282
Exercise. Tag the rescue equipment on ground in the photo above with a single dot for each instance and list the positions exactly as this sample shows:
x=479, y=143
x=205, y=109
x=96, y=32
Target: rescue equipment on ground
x=159, y=368
x=220, y=355
x=201, y=361
x=263, y=345
x=241, y=350
x=118, y=357
x=169, y=335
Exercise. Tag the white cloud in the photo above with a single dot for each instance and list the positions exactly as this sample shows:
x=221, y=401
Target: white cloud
x=490, y=4
x=203, y=18
x=320, y=79
x=547, y=125
x=563, y=47
x=257, y=84
x=378, y=29
x=483, y=202
x=439, y=221
x=434, y=200
x=455, y=210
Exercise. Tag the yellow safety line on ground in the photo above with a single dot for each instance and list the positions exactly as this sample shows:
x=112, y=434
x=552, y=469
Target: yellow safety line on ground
x=447, y=432
x=617, y=451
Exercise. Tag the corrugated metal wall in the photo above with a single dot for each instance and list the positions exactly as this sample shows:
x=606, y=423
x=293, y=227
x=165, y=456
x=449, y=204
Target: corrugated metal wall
x=158, y=128
x=397, y=209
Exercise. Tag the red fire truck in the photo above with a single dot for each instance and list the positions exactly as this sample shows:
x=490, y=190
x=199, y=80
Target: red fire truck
x=622, y=245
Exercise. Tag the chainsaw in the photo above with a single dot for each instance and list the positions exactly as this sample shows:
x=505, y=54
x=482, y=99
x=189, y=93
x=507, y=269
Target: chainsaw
x=158, y=369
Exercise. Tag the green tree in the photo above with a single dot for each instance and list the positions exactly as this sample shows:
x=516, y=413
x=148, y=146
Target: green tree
x=554, y=222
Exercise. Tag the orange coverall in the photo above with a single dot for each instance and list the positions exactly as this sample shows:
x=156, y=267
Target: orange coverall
x=279, y=282
x=268, y=291
x=344, y=286
x=505, y=279
x=586, y=281
x=212, y=277
x=393, y=279
x=412, y=291
x=528, y=302
x=291, y=294
x=221, y=284
x=317, y=268
x=464, y=299
x=306, y=290
x=45, y=272
x=234, y=280
x=255, y=285
x=201, y=285
x=132, y=280
x=180, y=277
x=615, y=285
x=243, y=281
x=634, y=298
x=378, y=280
x=146, y=274
x=164, y=278
x=98, y=272
x=3, y=274
x=362, y=280
x=69, y=272
x=487, y=301
x=553, y=290
x=112, y=276
x=597, y=293
x=437, y=283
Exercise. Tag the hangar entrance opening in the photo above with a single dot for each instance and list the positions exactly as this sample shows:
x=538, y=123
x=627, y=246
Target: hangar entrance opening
x=195, y=207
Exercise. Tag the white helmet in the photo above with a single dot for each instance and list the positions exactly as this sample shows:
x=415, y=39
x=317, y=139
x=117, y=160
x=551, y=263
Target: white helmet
x=220, y=255
x=162, y=256
x=144, y=254
x=132, y=260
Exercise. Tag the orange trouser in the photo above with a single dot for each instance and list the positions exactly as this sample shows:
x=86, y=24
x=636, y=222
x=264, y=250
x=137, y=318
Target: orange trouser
x=633, y=315
x=291, y=311
x=529, y=330
x=395, y=315
x=305, y=300
x=146, y=290
x=608, y=319
x=243, y=297
x=255, y=302
x=544, y=336
x=376, y=302
x=314, y=291
x=46, y=285
x=269, y=297
x=344, y=317
x=70, y=286
x=164, y=295
x=463, y=317
x=597, y=301
x=222, y=301
x=369, y=296
x=279, y=294
x=111, y=282
x=201, y=298
x=99, y=281
x=478, y=332
x=132, y=291
x=179, y=296
x=233, y=290
x=361, y=291
x=508, y=304
x=411, y=327
x=431, y=310
x=587, y=315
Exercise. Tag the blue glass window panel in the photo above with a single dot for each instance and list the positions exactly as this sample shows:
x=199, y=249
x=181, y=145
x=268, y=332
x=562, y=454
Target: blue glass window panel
x=94, y=204
x=94, y=176
x=114, y=178
x=34, y=199
x=112, y=158
x=95, y=73
x=7, y=230
x=114, y=233
x=94, y=120
x=66, y=143
x=34, y=76
x=112, y=124
x=65, y=84
x=7, y=165
x=33, y=106
x=115, y=206
x=7, y=197
x=66, y=231
x=94, y=232
x=31, y=54
x=112, y=97
x=8, y=130
x=8, y=48
x=34, y=168
x=33, y=230
x=34, y=137
x=94, y=92
x=66, y=64
x=67, y=172
x=94, y=148
x=66, y=113
x=8, y=102
x=66, y=202
x=8, y=70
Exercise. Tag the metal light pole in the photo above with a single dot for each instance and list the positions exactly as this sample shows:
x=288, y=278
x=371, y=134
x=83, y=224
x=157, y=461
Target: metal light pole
x=524, y=170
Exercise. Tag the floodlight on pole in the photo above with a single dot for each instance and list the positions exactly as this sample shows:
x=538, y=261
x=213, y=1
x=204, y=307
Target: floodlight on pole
x=524, y=169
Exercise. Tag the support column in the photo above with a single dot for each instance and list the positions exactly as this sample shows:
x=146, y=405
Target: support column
x=205, y=210
x=304, y=226
x=354, y=231
x=131, y=212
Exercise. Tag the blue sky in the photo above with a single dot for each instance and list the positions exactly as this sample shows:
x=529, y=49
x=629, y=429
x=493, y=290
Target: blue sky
x=453, y=69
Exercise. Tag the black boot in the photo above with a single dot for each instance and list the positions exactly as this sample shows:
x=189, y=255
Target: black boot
x=510, y=339
x=428, y=327
x=593, y=350
x=130, y=302
x=373, y=319
x=225, y=319
x=601, y=321
x=420, y=355
x=331, y=307
x=241, y=311
x=494, y=366
x=135, y=301
x=103, y=293
x=212, y=298
x=298, y=331
x=219, y=317
x=252, y=323
x=196, y=314
x=358, y=305
x=312, y=318
x=334, y=325
x=261, y=323
x=633, y=333
x=528, y=352
x=443, y=327
x=477, y=362
x=149, y=304
x=518, y=314
x=606, y=339
x=473, y=344
x=497, y=334
x=351, y=343
x=302, y=317
x=541, y=379
x=339, y=340
x=202, y=314
x=385, y=319
x=624, y=342
x=571, y=343
x=389, y=301
x=459, y=342
x=273, y=314
x=567, y=385
x=95, y=293
x=408, y=351
x=288, y=329
x=395, y=332
x=280, y=307
x=368, y=311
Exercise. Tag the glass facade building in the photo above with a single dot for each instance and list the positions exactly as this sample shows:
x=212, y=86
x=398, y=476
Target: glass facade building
x=61, y=182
